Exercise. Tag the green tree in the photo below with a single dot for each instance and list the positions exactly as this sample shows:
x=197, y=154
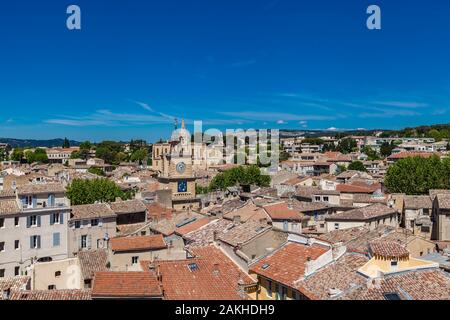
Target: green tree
x=240, y=175
x=39, y=155
x=139, y=155
x=75, y=155
x=66, y=143
x=386, y=148
x=17, y=154
x=86, y=145
x=371, y=154
x=109, y=150
x=347, y=145
x=340, y=168
x=357, y=165
x=416, y=175
x=433, y=133
x=97, y=171
x=90, y=191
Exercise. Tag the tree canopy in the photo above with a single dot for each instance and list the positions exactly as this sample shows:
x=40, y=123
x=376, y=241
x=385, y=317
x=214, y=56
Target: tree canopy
x=416, y=175
x=347, y=145
x=111, y=152
x=90, y=191
x=240, y=175
x=357, y=165
x=39, y=155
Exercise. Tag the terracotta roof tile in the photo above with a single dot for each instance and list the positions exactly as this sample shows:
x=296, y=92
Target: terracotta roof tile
x=243, y=232
x=205, y=235
x=337, y=278
x=36, y=188
x=417, y=202
x=364, y=213
x=129, y=206
x=433, y=284
x=8, y=206
x=248, y=212
x=192, y=226
x=282, y=211
x=73, y=294
x=349, y=188
x=125, y=284
x=92, y=261
x=388, y=249
x=287, y=265
x=211, y=275
x=88, y=211
x=138, y=243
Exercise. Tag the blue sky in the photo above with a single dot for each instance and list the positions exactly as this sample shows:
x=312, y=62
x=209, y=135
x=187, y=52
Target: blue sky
x=230, y=63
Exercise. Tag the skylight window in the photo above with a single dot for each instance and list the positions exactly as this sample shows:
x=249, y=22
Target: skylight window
x=265, y=266
x=193, y=267
x=391, y=296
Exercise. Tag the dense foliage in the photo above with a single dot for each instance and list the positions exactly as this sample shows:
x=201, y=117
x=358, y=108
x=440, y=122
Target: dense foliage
x=38, y=155
x=249, y=175
x=416, y=175
x=357, y=165
x=90, y=191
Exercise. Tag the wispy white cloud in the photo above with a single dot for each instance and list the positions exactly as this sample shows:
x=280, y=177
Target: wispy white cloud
x=388, y=113
x=402, y=104
x=281, y=122
x=440, y=111
x=270, y=116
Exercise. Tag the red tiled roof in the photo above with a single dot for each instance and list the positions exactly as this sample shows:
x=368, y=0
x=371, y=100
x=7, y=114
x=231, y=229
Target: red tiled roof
x=152, y=242
x=287, y=265
x=126, y=284
x=45, y=295
x=214, y=276
x=157, y=211
x=388, y=249
x=349, y=188
x=431, y=284
x=281, y=211
x=376, y=210
x=406, y=154
x=190, y=227
x=341, y=275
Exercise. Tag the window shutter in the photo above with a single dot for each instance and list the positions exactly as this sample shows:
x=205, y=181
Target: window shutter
x=39, y=242
x=31, y=242
x=38, y=218
x=56, y=239
x=89, y=241
x=34, y=201
x=61, y=218
x=52, y=219
x=100, y=222
x=28, y=221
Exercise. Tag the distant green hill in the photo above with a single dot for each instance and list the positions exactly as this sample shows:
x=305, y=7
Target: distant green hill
x=29, y=143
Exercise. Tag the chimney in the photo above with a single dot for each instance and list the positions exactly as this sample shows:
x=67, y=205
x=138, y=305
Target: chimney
x=216, y=270
x=237, y=219
x=215, y=235
x=263, y=221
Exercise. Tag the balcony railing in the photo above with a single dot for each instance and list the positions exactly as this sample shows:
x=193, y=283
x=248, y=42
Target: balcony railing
x=45, y=206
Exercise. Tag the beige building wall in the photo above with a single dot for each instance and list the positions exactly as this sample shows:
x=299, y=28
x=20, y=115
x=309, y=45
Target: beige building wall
x=122, y=261
x=95, y=234
x=63, y=274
